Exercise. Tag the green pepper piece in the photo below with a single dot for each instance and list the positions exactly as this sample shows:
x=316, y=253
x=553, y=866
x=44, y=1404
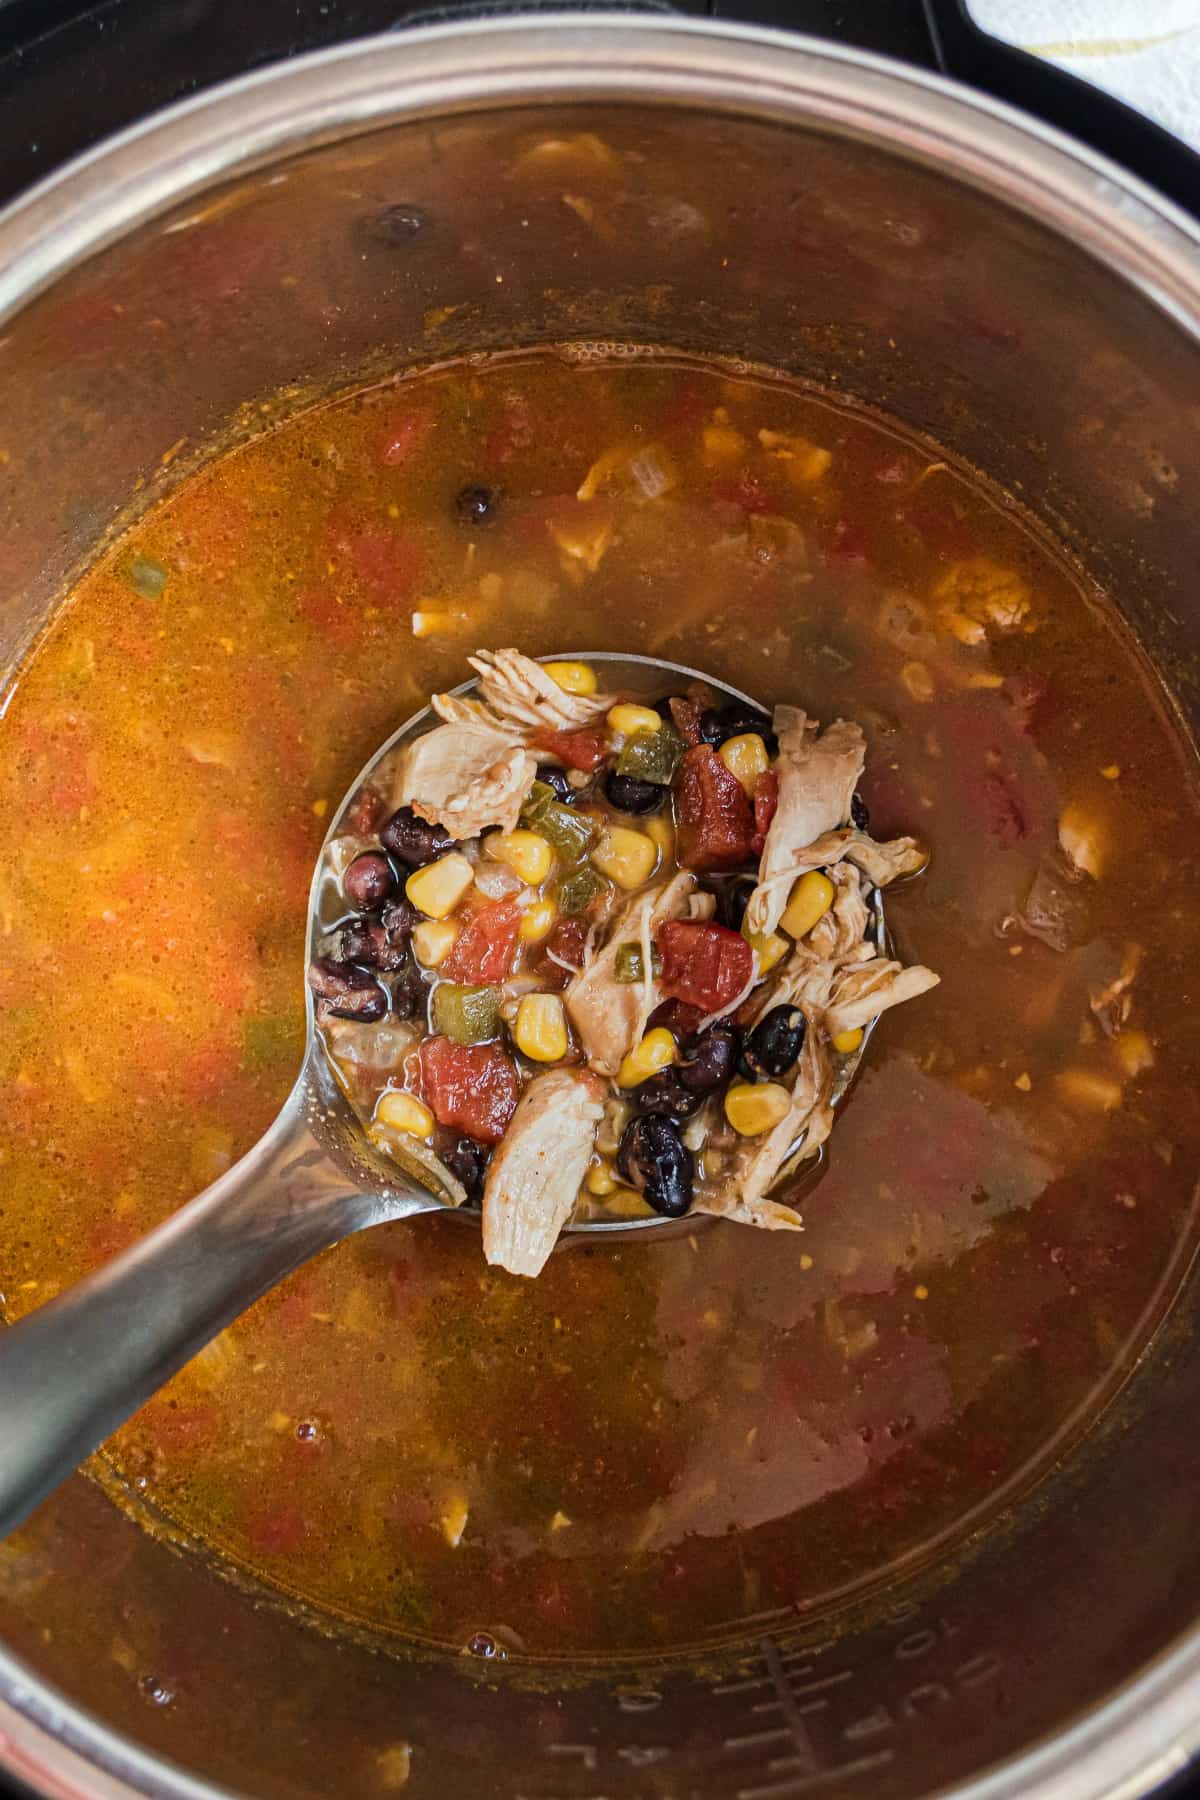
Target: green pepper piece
x=628, y=965
x=469, y=1015
x=652, y=755
x=575, y=891
x=146, y=577
x=569, y=834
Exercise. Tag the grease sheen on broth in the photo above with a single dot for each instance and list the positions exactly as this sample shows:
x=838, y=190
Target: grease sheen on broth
x=653, y=1443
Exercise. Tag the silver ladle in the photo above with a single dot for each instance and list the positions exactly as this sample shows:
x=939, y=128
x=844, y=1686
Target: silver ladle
x=78, y=1367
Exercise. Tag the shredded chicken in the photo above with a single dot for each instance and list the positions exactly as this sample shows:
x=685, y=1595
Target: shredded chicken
x=841, y=933
x=467, y=776
x=608, y=1014
x=519, y=692
x=817, y=779
x=758, y=1162
x=861, y=994
x=535, y=1174
x=880, y=863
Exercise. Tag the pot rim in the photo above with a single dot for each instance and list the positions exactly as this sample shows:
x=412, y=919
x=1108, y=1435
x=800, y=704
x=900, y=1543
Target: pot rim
x=1148, y=1729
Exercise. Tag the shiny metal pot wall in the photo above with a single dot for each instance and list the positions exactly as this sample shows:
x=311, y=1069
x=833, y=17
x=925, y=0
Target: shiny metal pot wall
x=772, y=201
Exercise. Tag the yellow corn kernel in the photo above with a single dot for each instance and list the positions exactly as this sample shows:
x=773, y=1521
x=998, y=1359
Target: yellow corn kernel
x=537, y=921
x=917, y=680
x=540, y=1032
x=661, y=832
x=572, y=677
x=755, y=1107
x=600, y=1179
x=1135, y=1052
x=433, y=940
x=404, y=1112
x=811, y=899
x=769, y=949
x=524, y=852
x=1092, y=1092
x=722, y=442
x=847, y=1042
x=627, y=857
x=746, y=757
x=437, y=889
x=626, y=1203
x=626, y=718
x=656, y=1051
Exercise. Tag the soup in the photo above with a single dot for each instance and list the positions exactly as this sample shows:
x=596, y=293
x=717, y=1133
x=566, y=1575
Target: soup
x=655, y=1444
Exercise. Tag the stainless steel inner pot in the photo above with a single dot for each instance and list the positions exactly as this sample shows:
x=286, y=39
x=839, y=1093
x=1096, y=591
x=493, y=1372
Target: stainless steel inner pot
x=825, y=213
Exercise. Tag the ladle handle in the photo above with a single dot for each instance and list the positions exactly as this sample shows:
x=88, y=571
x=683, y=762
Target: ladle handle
x=74, y=1370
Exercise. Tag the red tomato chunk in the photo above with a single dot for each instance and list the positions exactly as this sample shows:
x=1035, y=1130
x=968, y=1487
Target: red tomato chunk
x=766, y=800
x=470, y=1087
x=716, y=821
x=704, y=965
x=578, y=749
x=484, y=948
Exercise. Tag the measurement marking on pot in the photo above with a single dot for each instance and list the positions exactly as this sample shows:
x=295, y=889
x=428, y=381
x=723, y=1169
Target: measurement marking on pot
x=806, y=1780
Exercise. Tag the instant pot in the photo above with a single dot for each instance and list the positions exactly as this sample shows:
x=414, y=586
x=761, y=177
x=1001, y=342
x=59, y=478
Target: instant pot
x=1012, y=290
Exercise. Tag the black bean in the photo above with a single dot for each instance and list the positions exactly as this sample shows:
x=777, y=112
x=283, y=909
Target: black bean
x=676, y=1016
x=707, y=1062
x=774, y=1044
x=475, y=506
x=413, y=841
x=398, y=919
x=860, y=817
x=719, y=723
x=466, y=1160
x=555, y=776
x=347, y=991
x=368, y=880
x=654, y=1159
x=410, y=996
x=666, y=1095
x=733, y=897
x=629, y=795
x=398, y=224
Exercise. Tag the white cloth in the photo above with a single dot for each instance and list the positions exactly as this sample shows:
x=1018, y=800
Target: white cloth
x=1146, y=54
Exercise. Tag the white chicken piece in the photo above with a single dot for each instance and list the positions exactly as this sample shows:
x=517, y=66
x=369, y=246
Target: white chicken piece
x=519, y=692
x=880, y=863
x=840, y=934
x=758, y=1162
x=863, y=992
x=535, y=1175
x=467, y=775
x=817, y=779
x=608, y=1015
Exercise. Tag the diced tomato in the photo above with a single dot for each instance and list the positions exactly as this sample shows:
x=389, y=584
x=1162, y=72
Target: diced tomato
x=685, y=716
x=716, y=821
x=470, y=1087
x=705, y=965
x=484, y=949
x=578, y=749
x=766, y=799
x=513, y=433
x=384, y=563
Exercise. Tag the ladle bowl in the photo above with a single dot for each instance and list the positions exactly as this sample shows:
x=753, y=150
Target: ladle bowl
x=72, y=1371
